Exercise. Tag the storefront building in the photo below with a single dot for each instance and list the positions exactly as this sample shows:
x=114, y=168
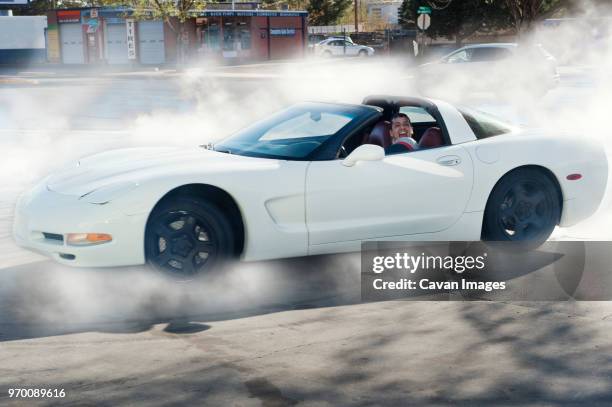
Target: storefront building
x=100, y=36
x=252, y=34
x=110, y=36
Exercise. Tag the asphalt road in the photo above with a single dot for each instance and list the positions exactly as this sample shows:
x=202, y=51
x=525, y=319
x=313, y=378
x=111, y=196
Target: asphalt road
x=274, y=333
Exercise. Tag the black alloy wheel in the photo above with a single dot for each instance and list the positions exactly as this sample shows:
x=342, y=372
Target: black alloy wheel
x=186, y=239
x=524, y=206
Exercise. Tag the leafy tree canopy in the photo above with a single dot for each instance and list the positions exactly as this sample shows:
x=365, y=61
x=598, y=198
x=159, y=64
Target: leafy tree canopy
x=460, y=19
x=326, y=12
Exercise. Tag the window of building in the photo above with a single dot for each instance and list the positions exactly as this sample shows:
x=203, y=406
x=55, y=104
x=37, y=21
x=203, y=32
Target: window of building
x=229, y=36
x=211, y=34
x=245, y=35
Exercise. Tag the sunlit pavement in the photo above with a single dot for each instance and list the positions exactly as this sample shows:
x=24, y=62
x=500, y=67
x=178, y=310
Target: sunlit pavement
x=277, y=333
x=390, y=353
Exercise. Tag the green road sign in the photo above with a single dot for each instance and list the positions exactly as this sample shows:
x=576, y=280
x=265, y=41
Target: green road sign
x=424, y=10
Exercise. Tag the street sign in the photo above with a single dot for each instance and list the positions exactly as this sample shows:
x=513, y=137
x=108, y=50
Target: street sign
x=131, y=38
x=424, y=21
x=424, y=10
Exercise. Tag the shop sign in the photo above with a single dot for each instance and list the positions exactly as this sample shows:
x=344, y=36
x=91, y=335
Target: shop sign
x=92, y=25
x=114, y=20
x=239, y=13
x=119, y=14
x=282, y=32
x=131, y=38
x=69, y=16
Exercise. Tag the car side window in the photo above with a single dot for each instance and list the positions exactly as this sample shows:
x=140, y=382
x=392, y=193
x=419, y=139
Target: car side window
x=417, y=114
x=490, y=54
x=460, y=56
x=424, y=124
x=484, y=125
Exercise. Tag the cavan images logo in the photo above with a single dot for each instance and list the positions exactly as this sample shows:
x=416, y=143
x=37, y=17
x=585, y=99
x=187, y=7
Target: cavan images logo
x=553, y=271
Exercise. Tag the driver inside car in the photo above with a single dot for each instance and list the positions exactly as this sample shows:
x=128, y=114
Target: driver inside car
x=401, y=135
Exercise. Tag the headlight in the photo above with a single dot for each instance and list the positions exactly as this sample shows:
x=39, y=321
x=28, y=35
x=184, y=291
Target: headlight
x=108, y=193
x=87, y=239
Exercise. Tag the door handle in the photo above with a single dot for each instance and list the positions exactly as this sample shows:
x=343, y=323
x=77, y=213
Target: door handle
x=449, y=160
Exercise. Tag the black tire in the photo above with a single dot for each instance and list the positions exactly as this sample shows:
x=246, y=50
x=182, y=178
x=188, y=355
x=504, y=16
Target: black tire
x=524, y=206
x=363, y=53
x=187, y=238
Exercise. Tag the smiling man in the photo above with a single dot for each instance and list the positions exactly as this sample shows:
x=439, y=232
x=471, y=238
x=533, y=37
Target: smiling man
x=401, y=135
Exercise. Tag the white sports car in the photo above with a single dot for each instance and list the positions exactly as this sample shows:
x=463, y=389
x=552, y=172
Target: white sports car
x=314, y=179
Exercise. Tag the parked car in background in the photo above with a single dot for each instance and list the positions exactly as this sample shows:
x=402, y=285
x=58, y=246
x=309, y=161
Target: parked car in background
x=342, y=47
x=501, y=68
x=314, y=39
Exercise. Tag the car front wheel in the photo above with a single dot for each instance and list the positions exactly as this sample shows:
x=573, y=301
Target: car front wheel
x=187, y=238
x=524, y=206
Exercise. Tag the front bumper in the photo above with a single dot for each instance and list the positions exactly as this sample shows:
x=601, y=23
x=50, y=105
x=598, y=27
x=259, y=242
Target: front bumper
x=43, y=218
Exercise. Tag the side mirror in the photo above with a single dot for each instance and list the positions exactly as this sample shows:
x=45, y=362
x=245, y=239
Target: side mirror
x=366, y=152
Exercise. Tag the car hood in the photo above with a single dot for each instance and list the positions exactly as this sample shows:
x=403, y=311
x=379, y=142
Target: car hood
x=134, y=164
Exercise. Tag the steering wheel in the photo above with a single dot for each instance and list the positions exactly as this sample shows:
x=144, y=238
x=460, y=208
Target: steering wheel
x=343, y=153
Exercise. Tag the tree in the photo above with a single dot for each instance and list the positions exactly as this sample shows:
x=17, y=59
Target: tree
x=348, y=17
x=326, y=12
x=40, y=7
x=280, y=4
x=407, y=14
x=525, y=12
x=34, y=8
x=459, y=19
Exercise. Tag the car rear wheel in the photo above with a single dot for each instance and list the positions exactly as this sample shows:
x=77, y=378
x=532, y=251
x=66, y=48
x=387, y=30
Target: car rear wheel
x=187, y=238
x=524, y=206
x=363, y=53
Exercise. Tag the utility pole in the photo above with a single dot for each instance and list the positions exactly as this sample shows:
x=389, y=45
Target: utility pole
x=356, y=16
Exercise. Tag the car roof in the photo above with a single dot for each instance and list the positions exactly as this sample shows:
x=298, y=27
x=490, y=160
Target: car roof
x=337, y=38
x=377, y=100
x=493, y=45
x=357, y=106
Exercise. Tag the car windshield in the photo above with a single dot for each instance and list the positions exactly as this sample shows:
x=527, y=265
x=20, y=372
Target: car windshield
x=293, y=133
